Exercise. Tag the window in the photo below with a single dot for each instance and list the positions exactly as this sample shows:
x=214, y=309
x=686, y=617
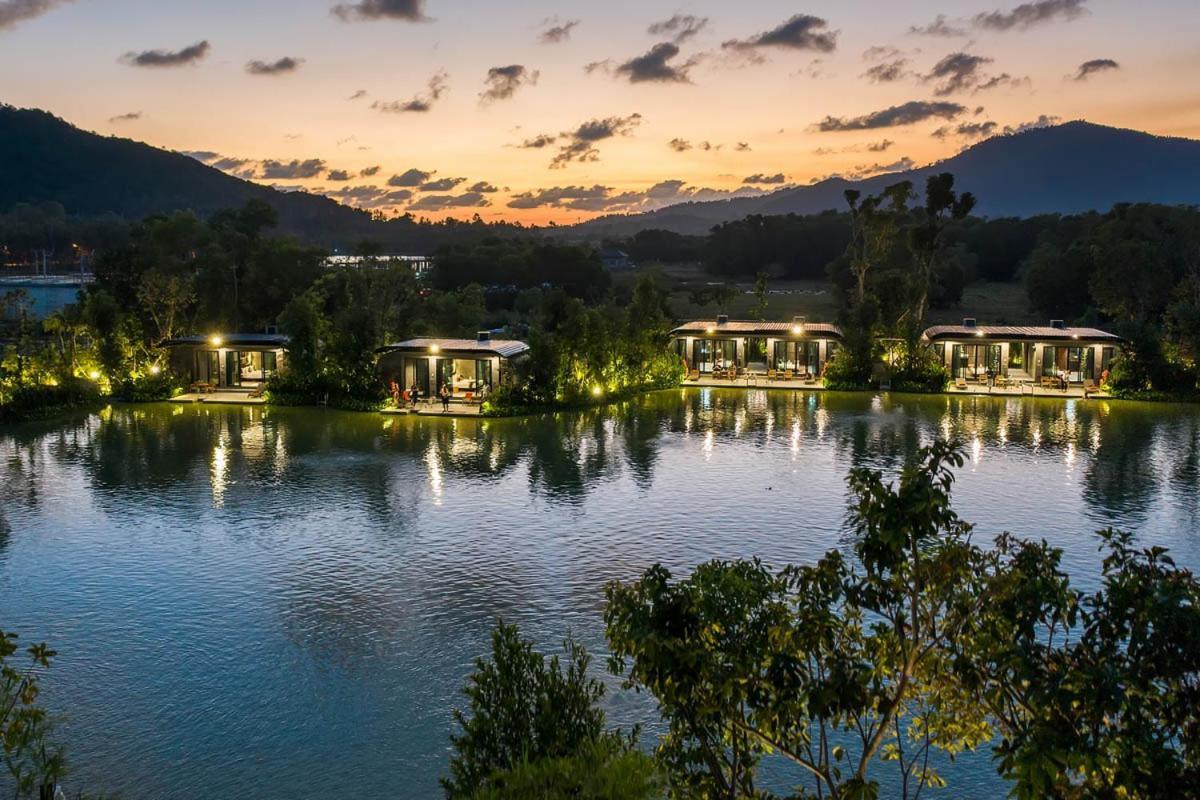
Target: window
x=269, y=364
x=702, y=355
x=483, y=373
x=785, y=355
x=1107, y=354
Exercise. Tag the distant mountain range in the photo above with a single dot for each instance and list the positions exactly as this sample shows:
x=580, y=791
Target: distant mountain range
x=1069, y=168
x=44, y=158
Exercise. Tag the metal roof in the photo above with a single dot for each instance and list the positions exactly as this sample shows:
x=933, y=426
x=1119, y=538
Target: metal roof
x=505, y=348
x=273, y=340
x=758, y=328
x=1038, y=332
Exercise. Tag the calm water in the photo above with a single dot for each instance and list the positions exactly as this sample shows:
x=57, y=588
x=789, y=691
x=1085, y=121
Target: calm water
x=283, y=603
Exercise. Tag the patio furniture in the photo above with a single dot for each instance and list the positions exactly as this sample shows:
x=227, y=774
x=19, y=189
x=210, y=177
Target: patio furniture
x=258, y=391
x=786, y=375
x=1089, y=388
x=771, y=374
x=694, y=375
x=960, y=384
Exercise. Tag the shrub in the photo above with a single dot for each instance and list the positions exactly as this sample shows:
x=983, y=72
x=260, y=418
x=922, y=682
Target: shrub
x=606, y=769
x=147, y=388
x=529, y=716
x=293, y=388
x=40, y=402
x=924, y=373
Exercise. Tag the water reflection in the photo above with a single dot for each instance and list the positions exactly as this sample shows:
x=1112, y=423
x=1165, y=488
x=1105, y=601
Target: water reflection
x=310, y=584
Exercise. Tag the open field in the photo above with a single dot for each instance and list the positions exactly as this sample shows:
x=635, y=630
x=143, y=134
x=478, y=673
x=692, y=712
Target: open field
x=995, y=303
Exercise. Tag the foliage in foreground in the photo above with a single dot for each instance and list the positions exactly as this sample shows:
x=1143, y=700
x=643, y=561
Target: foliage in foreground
x=921, y=642
x=535, y=726
x=32, y=763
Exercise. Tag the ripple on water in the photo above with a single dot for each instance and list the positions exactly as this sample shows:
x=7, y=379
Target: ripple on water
x=239, y=596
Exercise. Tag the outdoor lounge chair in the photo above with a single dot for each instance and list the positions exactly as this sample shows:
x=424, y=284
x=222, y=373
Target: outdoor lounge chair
x=772, y=374
x=960, y=383
x=1089, y=388
x=694, y=375
x=258, y=391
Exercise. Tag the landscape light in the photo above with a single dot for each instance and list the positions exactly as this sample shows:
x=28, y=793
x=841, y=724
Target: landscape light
x=154, y=370
x=216, y=340
x=94, y=375
x=597, y=391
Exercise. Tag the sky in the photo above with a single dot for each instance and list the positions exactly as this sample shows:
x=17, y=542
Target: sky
x=560, y=111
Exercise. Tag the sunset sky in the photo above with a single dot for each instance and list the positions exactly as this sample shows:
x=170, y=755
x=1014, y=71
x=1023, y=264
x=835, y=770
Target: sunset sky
x=537, y=111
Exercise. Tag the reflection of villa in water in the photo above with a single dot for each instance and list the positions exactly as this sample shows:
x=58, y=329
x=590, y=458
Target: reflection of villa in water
x=732, y=348
x=1021, y=353
x=467, y=366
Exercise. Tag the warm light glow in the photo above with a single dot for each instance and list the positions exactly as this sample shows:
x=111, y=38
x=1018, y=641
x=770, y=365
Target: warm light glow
x=796, y=329
x=433, y=348
x=154, y=370
x=597, y=391
x=94, y=375
x=979, y=334
x=216, y=340
x=710, y=329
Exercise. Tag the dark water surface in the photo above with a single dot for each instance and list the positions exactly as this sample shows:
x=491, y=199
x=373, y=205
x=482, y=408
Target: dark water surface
x=280, y=603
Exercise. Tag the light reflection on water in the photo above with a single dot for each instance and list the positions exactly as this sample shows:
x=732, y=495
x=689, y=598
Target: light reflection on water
x=283, y=603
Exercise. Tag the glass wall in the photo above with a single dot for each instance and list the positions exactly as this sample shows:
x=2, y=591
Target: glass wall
x=710, y=354
x=974, y=360
x=756, y=353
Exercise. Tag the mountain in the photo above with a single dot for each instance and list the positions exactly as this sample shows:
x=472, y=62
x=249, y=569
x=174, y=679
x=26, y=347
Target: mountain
x=1069, y=168
x=43, y=158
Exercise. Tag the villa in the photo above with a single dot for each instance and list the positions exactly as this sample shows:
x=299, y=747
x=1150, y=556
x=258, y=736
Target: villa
x=466, y=365
x=228, y=362
x=725, y=348
x=1049, y=356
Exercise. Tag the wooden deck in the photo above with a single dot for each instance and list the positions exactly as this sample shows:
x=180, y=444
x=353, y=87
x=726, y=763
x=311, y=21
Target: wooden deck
x=227, y=398
x=1018, y=390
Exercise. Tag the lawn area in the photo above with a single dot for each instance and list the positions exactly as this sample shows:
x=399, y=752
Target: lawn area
x=990, y=303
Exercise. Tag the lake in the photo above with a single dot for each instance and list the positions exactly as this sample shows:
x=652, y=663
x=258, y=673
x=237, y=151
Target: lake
x=283, y=603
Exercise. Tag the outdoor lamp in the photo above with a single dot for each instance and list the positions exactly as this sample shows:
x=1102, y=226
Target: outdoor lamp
x=796, y=329
x=597, y=391
x=216, y=340
x=154, y=370
x=94, y=375
x=433, y=348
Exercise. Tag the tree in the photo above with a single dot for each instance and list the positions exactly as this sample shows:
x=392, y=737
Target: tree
x=760, y=295
x=942, y=205
x=832, y=666
x=923, y=641
x=526, y=710
x=32, y=761
x=166, y=299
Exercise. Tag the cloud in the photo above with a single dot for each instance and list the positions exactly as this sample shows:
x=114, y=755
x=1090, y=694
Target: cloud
x=440, y=185
x=483, y=187
x=242, y=167
x=1043, y=121
x=168, y=58
x=280, y=67
x=866, y=171
x=1028, y=15
x=887, y=71
x=369, y=172
x=14, y=11
x=359, y=95
x=371, y=196
x=1089, y=68
x=939, y=27
x=1003, y=79
x=908, y=113
x=421, y=103
x=679, y=145
x=367, y=10
x=557, y=31
x=759, y=178
x=801, y=32
x=292, y=170
x=743, y=147
x=881, y=52
x=957, y=72
x=599, y=198
x=880, y=146
x=442, y=202
x=411, y=177
x=128, y=117
x=338, y=175
x=581, y=143
x=968, y=130
x=538, y=142
x=679, y=28
x=653, y=66
x=503, y=82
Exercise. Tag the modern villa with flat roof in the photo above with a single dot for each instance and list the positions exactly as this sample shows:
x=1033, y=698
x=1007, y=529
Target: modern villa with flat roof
x=466, y=365
x=228, y=361
x=1037, y=354
x=794, y=349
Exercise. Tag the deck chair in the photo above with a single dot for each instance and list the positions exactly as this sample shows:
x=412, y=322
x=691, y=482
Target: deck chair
x=960, y=383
